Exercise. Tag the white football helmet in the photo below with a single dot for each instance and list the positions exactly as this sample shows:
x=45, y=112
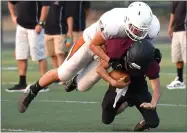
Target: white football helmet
x=154, y=28
x=138, y=20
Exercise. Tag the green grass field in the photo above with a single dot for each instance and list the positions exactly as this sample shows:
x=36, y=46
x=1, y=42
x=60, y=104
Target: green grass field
x=57, y=110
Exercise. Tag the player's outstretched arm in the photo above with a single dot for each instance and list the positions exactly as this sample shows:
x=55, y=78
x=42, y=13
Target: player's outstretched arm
x=95, y=46
x=155, y=84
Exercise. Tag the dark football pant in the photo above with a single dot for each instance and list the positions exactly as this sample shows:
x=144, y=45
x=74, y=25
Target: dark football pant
x=134, y=97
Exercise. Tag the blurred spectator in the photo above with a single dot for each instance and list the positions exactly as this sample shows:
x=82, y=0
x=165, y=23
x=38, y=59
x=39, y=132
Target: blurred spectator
x=29, y=16
x=58, y=26
x=177, y=31
x=80, y=15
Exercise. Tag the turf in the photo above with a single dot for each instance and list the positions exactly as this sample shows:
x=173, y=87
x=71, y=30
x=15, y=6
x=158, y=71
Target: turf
x=58, y=110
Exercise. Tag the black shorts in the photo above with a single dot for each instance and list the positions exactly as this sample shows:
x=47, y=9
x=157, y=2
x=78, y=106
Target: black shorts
x=137, y=93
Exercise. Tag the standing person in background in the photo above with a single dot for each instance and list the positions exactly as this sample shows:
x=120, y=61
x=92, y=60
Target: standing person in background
x=177, y=31
x=79, y=17
x=30, y=18
x=58, y=26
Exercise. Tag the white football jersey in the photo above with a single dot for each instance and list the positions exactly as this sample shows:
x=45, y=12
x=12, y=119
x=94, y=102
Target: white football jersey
x=110, y=23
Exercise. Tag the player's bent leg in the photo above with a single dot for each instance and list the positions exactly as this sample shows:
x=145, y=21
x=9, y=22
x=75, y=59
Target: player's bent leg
x=108, y=112
x=122, y=108
x=80, y=59
x=85, y=79
x=32, y=90
x=64, y=73
x=151, y=119
x=146, y=124
x=88, y=77
x=72, y=83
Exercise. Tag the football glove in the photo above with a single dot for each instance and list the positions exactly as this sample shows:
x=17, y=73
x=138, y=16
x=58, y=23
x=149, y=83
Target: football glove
x=115, y=63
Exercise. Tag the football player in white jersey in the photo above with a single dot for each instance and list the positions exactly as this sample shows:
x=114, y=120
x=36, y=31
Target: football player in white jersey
x=132, y=22
x=153, y=32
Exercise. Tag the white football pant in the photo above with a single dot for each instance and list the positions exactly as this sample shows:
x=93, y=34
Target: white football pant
x=82, y=60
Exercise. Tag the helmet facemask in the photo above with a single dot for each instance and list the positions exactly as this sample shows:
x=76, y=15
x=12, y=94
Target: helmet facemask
x=134, y=32
x=138, y=20
x=129, y=65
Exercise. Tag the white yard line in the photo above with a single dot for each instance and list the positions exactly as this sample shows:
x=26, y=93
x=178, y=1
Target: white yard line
x=12, y=130
x=92, y=102
x=172, y=105
x=12, y=83
x=18, y=130
x=13, y=68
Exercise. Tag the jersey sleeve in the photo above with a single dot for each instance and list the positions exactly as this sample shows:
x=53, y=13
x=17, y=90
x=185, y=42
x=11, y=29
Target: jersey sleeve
x=86, y=4
x=153, y=71
x=108, y=27
x=173, y=6
x=13, y=2
x=69, y=5
x=46, y=3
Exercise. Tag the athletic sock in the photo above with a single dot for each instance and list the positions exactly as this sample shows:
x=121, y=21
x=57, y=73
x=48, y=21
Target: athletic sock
x=22, y=80
x=36, y=88
x=180, y=74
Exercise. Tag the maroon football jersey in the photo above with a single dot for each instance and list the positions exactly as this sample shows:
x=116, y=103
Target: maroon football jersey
x=115, y=48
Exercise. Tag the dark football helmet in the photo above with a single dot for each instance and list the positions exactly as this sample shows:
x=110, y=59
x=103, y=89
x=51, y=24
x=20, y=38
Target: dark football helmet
x=138, y=57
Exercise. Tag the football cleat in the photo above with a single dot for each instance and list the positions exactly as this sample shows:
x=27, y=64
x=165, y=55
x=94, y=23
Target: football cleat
x=141, y=126
x=26, y=99
x=71, y=85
